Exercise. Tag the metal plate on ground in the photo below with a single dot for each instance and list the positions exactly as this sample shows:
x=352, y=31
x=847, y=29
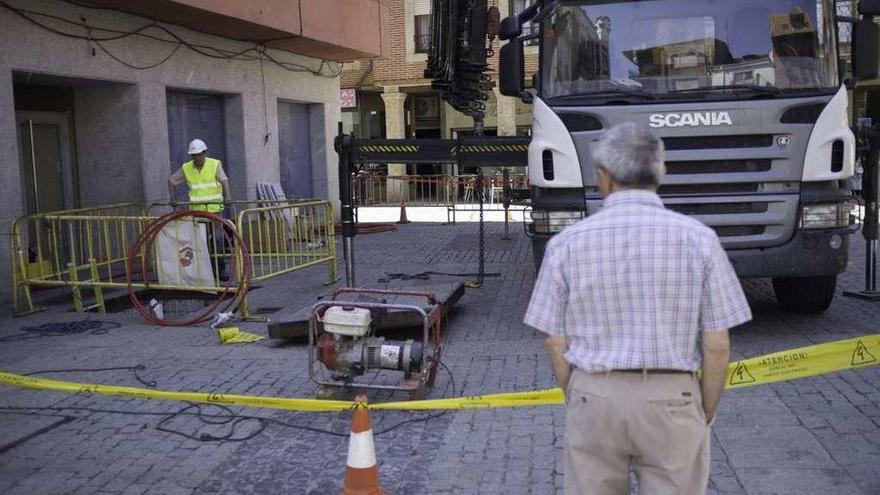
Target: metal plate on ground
x=296, y=324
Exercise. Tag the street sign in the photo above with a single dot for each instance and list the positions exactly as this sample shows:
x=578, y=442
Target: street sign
x=348, y=98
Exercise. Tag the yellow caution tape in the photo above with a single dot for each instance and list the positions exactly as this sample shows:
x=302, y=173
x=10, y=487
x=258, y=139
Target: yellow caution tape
x=233, y=335
x=805, y=361
x=290, y=404
x=814, y=360
x=546, y=397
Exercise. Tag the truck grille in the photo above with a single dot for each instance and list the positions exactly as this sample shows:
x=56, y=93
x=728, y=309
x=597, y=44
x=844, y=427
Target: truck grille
x=753, y=225
x=677, y=189
x=718, y=166
x=718, y=142
x=719, y=208
x=739, y=230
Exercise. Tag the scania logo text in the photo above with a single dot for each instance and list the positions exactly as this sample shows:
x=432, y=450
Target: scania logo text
x=689, y=119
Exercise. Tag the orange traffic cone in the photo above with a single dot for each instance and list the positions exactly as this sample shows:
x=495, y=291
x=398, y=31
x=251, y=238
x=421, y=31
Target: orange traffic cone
x=361, y=473
x=403, y=212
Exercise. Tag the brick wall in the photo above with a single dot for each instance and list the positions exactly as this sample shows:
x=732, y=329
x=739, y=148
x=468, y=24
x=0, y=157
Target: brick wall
x=392, y=69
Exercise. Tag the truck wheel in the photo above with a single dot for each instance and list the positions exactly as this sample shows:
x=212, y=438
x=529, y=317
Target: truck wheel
x=805, y=294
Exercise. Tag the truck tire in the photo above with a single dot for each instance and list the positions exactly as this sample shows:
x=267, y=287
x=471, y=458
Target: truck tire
x=805, y=294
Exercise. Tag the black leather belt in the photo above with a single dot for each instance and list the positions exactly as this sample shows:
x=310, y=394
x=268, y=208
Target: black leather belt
x=654, y=371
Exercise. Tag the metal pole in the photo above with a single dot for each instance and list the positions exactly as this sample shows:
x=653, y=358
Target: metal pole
x=505, y=176
x=344, y=145
x=872, y=222
x=348, y=250
x=871, y=269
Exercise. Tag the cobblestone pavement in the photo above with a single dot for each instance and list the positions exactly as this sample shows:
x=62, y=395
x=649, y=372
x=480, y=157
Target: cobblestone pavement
x=813, y=436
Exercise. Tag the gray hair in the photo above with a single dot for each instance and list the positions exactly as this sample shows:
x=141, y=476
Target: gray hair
x=631, y=154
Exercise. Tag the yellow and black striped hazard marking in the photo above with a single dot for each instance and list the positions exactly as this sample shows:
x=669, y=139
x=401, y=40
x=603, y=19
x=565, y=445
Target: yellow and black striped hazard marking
x=395, y=148
x=495, y=148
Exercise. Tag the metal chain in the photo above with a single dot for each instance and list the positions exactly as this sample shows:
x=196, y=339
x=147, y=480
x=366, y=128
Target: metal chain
x=482, y=258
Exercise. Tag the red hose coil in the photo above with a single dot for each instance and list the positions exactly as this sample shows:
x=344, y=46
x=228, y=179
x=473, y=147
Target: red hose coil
x=145, y=242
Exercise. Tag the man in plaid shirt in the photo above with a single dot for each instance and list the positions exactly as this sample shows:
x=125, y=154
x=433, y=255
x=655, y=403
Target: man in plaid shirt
x=635, y=300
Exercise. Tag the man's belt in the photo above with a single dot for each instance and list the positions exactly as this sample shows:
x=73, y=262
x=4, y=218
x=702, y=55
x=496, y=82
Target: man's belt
x=656, y=371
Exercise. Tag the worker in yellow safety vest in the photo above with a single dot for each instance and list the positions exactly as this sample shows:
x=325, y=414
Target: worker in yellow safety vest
x=207, y=182
x=208, y=191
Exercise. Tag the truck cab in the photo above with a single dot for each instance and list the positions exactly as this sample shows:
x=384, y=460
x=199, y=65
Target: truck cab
x=749, y=100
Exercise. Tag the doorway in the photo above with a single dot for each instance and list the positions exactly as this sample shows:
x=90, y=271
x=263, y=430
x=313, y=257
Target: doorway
x=195, y=115
x=47, y=174
x=295, y=152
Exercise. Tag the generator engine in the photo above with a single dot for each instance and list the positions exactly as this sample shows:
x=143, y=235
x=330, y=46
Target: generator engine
x=348, y=347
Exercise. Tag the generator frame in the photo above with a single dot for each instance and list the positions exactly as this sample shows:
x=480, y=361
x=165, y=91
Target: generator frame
x=432, y=337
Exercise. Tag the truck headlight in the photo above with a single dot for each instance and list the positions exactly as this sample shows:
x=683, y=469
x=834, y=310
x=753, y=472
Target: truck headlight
x=552, y=222
x=825, y=216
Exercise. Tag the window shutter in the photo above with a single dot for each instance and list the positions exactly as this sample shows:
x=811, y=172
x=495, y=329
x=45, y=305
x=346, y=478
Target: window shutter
x=423, y=7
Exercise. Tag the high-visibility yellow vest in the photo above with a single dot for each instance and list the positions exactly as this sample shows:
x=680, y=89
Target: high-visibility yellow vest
x=205, y=193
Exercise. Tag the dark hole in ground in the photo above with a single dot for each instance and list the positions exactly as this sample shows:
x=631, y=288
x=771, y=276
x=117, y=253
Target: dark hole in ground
x=267, y=310
x=174, y=302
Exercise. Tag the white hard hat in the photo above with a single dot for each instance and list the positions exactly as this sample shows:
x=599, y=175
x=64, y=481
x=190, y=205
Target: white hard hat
x=196, y=146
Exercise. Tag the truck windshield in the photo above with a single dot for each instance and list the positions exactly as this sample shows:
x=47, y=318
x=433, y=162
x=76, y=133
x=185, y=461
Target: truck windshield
x=671, y=48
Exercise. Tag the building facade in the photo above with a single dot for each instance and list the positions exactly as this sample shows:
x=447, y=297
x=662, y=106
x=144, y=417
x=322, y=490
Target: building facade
x=98, y=102
x=391, y=98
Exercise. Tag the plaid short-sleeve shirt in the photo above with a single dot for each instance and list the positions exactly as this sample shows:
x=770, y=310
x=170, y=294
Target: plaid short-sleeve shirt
x=632, y=287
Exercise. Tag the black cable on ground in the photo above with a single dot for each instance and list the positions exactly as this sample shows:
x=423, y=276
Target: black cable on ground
x=451, y=377
x=34, y=434
x=429, y=416
x=62, y=329
x=229, y=417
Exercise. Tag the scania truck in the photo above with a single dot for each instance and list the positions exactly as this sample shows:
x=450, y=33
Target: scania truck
x=749, y=97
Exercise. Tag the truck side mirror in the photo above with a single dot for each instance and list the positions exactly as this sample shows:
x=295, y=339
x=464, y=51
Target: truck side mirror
x=511, y=28
x=866, y=49
x=512, y=71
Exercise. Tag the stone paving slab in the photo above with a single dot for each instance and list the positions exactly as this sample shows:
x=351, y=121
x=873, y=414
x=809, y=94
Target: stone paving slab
x=788, y=481
x=812, y=436
x=778, y=446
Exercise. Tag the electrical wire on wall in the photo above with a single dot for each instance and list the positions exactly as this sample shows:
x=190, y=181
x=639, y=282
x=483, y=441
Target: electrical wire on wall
x=257, y=52
x=265, y=104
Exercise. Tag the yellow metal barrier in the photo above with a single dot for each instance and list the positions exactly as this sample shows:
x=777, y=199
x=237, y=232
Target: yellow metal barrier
x=232, y=208
x=286, y=238
x=88, y=248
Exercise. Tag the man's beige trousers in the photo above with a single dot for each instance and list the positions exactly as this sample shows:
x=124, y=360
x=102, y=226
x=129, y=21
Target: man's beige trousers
x=654, y=422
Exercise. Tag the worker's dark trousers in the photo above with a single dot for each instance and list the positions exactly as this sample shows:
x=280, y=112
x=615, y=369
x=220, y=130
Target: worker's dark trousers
x=220, y=247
